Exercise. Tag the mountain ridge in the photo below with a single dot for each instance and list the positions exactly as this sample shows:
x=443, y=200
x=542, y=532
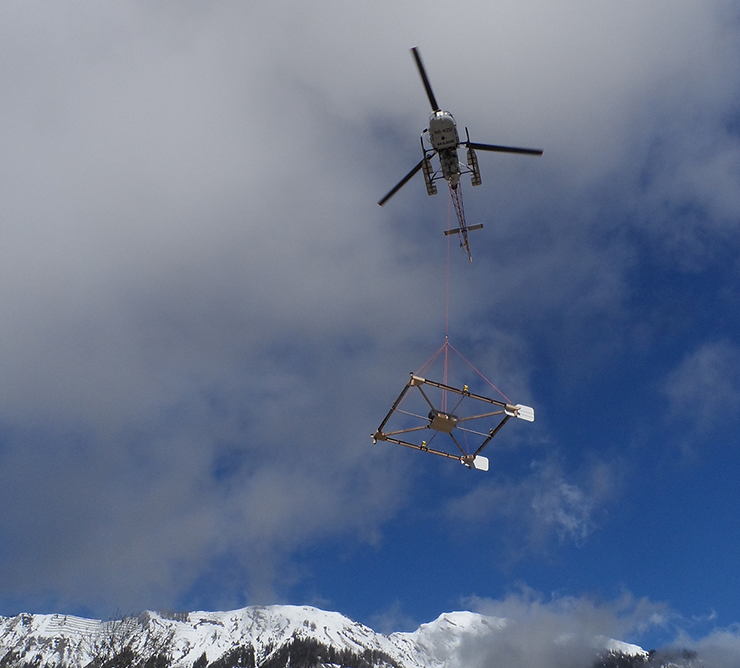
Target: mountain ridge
x=256, y=637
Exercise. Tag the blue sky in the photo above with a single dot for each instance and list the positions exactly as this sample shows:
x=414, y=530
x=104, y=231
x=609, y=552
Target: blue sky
x=204, y=314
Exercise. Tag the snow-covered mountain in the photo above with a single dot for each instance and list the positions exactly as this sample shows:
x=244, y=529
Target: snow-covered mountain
x=255, y=637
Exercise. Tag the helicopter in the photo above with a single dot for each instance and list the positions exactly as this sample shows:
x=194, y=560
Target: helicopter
x=442, y=139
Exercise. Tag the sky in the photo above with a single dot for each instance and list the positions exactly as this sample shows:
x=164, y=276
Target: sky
x=204, y=314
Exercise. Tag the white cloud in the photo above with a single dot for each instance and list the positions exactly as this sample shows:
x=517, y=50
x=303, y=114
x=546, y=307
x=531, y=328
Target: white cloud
x=563, y=506
x=704, y=393
x=560, y=631
x=547, y=504
x=719, y=649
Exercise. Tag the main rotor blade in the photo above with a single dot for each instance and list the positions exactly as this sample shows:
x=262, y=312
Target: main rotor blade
x=503, y=149
x=401, y=183
x=423, y=73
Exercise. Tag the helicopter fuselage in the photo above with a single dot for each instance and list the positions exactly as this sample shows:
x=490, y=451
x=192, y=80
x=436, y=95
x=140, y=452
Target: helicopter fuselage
x=443, y=131
x=443, y=137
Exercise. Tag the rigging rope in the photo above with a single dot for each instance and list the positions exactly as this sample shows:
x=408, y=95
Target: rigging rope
x=447, y=284
x=446, y=347
x=447, y=304
x=460, y=355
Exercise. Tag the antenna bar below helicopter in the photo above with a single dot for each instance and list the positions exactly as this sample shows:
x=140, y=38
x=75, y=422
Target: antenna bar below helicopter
x=470, y=227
